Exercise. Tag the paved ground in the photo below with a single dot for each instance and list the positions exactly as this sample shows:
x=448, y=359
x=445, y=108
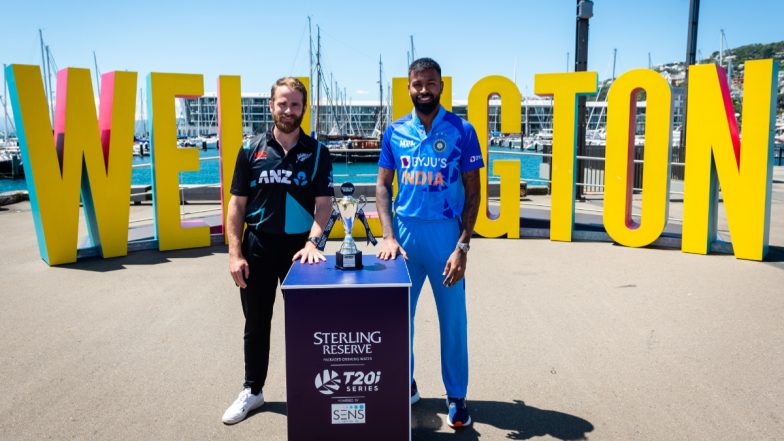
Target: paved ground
x=568, y=341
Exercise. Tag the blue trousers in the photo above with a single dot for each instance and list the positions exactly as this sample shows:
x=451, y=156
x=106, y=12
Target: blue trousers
x=428, y=245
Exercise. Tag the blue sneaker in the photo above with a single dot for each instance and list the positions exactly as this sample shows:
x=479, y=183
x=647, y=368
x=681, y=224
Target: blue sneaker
x=458, y=413
x=414, y=392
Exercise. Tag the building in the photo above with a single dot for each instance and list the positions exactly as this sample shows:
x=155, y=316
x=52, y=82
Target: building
x=362, y=119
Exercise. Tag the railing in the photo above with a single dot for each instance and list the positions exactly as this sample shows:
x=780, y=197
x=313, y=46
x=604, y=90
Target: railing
x=593, y=167
x=593, y=177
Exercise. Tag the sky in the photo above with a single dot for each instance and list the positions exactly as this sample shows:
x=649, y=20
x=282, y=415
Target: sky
x=262, y=41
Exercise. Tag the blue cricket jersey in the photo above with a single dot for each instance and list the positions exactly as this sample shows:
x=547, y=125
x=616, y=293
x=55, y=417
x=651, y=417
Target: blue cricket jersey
x=430, y=165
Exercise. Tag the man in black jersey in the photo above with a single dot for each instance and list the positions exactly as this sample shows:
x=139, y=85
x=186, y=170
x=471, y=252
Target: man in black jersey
x=281, y=190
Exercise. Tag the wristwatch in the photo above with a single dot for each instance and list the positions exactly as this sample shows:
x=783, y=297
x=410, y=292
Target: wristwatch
x=314, y=240
x=464, y=247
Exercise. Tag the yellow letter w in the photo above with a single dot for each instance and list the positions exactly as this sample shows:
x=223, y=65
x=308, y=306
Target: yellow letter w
x=84, y=153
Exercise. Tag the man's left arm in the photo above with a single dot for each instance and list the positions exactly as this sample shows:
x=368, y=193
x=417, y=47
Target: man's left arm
x=322, y=180
x=309, y=253
x=456, y=264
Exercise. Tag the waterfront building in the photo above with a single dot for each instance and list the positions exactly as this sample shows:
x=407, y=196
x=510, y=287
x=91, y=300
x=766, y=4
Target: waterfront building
x=361, y=118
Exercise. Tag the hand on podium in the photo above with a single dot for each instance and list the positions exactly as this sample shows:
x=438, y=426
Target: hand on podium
x=390, y=248
x=310, y=254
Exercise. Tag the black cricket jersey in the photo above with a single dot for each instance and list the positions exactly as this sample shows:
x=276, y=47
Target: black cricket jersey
x=282, y=188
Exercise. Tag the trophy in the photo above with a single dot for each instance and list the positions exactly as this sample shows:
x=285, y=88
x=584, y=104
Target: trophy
x=347, y=208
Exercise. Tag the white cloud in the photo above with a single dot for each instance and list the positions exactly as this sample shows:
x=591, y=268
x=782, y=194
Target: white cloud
x=361, y=92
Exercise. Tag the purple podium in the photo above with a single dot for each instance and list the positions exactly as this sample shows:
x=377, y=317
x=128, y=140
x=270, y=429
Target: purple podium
x=347, y=351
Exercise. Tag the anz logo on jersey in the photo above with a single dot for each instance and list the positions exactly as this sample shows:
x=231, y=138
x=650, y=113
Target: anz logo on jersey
x=275, y=177
x=281, y=177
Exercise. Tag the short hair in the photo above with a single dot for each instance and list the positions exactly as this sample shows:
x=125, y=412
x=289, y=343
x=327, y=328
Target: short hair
x=423, y=64
x=293, y=84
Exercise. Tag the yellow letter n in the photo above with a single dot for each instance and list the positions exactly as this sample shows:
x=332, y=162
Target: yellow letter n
x=715, y=153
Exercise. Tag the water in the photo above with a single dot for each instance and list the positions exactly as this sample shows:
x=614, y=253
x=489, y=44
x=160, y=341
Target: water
x=209, y=172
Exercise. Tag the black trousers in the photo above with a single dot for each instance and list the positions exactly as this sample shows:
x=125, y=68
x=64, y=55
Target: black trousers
x=269, y=258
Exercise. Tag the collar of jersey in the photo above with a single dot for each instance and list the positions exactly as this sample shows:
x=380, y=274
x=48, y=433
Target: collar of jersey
x=272, y=142
x=420, y=127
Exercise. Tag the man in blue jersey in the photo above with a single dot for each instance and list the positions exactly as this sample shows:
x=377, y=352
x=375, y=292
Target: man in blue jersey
x=281, y=191
x=437, y=158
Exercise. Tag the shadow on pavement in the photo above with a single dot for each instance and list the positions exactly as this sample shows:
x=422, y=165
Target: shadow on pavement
x=146, y=257
x=522, y=421
x=278, y=407
x=775, y=254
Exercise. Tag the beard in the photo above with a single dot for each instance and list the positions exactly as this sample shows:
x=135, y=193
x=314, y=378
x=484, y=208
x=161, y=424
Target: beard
x=287, y=126
x=429, y=107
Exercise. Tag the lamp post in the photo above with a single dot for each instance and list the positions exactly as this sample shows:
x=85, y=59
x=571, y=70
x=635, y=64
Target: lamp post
x=691, y=58
x=584, y=13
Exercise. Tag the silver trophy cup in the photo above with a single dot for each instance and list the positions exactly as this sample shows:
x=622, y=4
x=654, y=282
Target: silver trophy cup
x=348, y=256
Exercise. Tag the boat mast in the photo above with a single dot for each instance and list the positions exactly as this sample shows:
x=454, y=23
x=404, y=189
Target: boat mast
x=332, y=94
x=318, y=81
x=97, y=75
x=49, y=78
x=4, y=102
x=381, y=93
x=44, y=70
x=388, y=109
x=725, y=47
x=346, y=112
x=141, y=113
x=615, y=55
x=310, y=70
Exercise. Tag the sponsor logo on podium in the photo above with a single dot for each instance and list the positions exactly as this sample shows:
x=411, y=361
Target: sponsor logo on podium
x=327, y=382
x=348, y=413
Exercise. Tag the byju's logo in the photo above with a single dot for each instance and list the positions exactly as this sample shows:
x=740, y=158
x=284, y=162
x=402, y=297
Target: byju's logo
x=405, y=161
x=327, y=382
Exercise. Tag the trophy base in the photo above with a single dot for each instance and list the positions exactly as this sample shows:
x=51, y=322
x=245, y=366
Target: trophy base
x=348, y=261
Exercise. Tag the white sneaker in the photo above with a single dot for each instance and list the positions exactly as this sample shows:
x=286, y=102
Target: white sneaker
x=244, y=403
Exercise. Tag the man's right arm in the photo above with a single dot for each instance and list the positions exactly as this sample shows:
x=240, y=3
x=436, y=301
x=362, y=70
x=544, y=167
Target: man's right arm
x=389, y=245
x=235, y=221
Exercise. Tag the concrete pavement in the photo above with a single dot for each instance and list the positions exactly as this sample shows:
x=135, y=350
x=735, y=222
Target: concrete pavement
x=584, y=340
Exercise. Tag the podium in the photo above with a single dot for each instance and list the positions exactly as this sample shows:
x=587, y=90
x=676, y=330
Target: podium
x=347, y=351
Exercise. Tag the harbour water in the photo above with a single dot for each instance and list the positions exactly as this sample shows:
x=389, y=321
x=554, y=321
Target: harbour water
x=356, y=172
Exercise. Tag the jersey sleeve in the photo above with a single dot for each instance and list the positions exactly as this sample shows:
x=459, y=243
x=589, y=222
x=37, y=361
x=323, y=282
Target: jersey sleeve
x=240, y=183
x=471, y=158
x=323, y=178
x=387, y=159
